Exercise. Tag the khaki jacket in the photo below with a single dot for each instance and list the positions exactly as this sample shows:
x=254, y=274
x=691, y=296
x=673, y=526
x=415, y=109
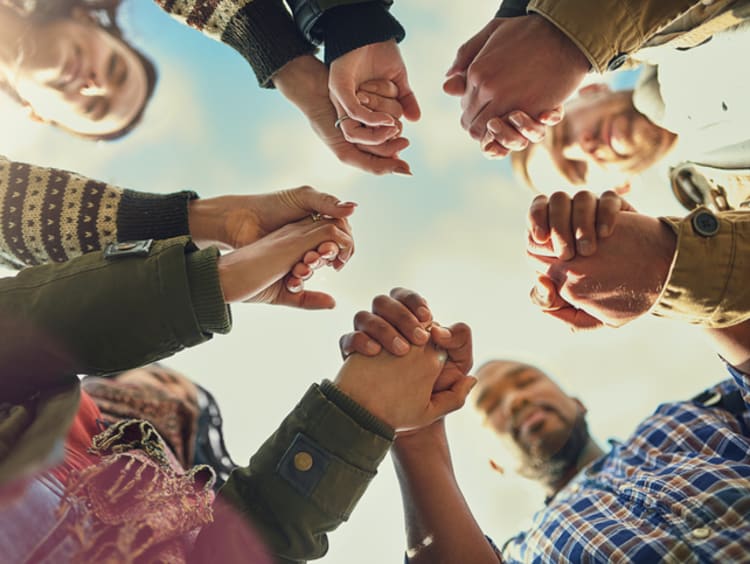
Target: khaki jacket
x=612, y=32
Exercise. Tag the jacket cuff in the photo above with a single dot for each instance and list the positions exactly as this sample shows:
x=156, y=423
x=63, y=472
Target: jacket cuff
x=210, y=309
x=607, y=31
x=512, y=8
x=153, y=216
x=349, y=27
x=263, y=32
x=707, y=281
x=362, y=417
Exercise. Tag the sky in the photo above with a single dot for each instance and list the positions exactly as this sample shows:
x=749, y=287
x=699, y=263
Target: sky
x=454, y=232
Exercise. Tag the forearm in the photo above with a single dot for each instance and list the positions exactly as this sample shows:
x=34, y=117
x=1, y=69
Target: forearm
x=608, y=30
x=733, y=345
x=305, y=480
x=95, y=315
x=52, y=215
x=439, y=523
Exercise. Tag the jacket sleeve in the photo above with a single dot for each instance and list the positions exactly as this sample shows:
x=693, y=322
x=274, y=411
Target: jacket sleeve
x=95, y=314
x=51, y=215
x=512, y=8
x=607, y=31
x=345, y=25
x=707, y=283
x=304, y=481
x=262, y=31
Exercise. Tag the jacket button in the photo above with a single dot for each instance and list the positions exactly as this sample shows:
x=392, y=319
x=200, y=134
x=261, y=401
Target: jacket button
x=303, y=461
x=705, y=223
x=617, y=61
x=701, y=533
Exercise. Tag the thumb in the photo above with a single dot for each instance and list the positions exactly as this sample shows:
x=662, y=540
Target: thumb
x=447, y=401
x=455, y=85
x=408, y=100
x=312, y=201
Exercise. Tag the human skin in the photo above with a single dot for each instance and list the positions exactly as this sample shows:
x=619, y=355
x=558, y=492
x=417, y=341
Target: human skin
x=72, y=73
x=376, y=61
x=304, y=81
x=523, y=63
x=258, y=272
x=618, y=284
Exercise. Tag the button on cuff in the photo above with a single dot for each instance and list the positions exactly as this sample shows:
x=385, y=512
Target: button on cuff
x=705, y=223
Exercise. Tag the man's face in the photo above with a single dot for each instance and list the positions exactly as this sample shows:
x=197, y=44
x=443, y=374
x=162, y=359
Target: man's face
x=525, y=406
x=80, y=77
x=604, y=136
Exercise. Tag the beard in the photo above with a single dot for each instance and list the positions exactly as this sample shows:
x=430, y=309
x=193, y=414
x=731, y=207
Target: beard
x=552, y=469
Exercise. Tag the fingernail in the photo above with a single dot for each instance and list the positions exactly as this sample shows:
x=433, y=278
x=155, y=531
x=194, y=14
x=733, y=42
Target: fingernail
x=364, y=98
x=420, y=334
x=346, y=205
x=423, y=314
x=371, y=347
x=494, y=125
x=402, y=171
x=515, y=119
x=329, y=255
x=540, y=234
x=585, y=247
x=399, y=345
x=316, y=265
x=553, y=118
x=294, y=289
x=441, y=331
x=604, y=230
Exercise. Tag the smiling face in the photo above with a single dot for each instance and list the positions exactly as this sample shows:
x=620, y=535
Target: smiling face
x=524, y=405
x=80, y=77
x=602, y=138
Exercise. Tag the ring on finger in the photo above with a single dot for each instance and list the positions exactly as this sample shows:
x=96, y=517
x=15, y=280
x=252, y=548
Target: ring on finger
x=316, y=217
x=337, y=123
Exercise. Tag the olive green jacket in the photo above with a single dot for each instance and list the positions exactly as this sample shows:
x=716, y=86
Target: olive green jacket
x=133, y=304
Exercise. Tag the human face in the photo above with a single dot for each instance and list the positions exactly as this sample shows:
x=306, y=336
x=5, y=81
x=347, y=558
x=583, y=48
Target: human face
x=523, y=404
x=80, y=77
x=603, y=134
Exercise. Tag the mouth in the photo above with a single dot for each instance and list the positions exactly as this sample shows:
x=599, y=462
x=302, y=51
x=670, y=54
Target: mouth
x=530, y=421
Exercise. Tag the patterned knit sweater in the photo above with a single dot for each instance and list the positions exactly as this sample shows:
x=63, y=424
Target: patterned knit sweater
x=51, y=215
x=262, y=31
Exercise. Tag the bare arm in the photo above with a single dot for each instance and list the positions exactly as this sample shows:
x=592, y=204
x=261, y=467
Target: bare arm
x=439, y=525
x=733, y=344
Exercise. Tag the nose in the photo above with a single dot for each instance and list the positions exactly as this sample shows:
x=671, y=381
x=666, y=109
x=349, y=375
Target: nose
x=513, y=403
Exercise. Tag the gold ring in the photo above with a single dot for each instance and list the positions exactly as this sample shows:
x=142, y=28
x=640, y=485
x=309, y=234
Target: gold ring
x=337, y=123
x=315, y=217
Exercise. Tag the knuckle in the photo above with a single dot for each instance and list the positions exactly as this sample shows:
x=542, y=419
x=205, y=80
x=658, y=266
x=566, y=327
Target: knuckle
x=360, y=318
x=583, y=196
x=559, y=197
x=380, y=301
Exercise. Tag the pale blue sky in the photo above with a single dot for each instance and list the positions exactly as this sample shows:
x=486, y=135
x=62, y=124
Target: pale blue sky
x=454, y=232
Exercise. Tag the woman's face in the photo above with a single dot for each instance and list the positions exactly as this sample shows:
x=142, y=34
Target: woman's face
x=80, y=77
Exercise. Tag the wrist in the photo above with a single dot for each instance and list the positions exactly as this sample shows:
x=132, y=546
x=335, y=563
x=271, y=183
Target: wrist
x=573, y=56
x=301, y=77
x=203, y=222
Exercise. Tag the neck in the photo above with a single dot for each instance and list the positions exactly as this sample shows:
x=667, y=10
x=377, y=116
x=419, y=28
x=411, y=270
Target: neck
x=589, y=453
x=13, y=29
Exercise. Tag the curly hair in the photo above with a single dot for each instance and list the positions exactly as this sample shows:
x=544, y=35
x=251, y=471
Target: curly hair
x=104, y=14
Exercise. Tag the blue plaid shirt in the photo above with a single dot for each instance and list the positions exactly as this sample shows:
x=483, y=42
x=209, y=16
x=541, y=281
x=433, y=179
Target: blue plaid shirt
x=677, y=491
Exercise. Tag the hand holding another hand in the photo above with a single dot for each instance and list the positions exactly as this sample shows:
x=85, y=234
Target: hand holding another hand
x=304, y=81
x=261, y=272
x=618, y=284
x=523, y=63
